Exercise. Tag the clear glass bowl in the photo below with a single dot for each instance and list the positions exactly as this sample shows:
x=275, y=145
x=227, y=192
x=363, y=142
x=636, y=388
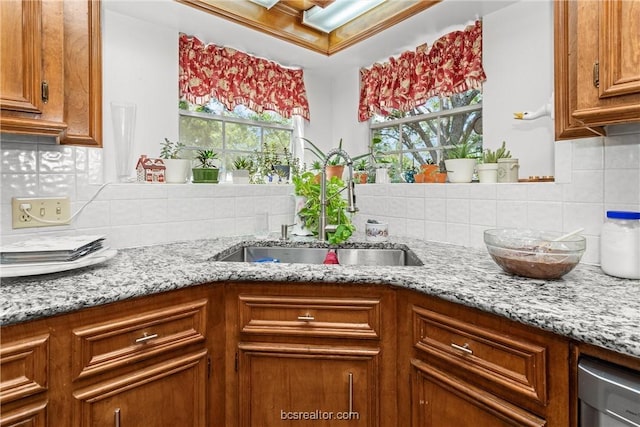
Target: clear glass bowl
x=532, y=253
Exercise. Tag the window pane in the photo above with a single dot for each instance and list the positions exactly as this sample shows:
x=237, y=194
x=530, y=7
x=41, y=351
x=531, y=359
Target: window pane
x=278, y=138
x=242, y=137
x=199, y=132
x=420, y=135
x=459, y=129
x=471, y=97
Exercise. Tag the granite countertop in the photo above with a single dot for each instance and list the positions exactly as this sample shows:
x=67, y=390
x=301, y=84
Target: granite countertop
x=585, y=305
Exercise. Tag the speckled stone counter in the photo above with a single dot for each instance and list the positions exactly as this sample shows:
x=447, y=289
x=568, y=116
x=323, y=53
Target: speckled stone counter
x=585, y=305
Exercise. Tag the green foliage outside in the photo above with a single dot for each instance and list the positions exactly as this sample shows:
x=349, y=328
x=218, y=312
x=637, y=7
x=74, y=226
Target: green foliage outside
x=305, y=185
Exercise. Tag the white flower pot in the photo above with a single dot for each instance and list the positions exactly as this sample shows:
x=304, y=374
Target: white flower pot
x=177, y=171
x=487, y=172
x=240, y=176
x=460, y=170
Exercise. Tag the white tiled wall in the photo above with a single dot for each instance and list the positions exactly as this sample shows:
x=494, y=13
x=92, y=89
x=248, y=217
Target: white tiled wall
x=593, y=176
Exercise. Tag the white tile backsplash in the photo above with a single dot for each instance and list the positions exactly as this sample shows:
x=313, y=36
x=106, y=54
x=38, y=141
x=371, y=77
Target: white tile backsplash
x=592, y=176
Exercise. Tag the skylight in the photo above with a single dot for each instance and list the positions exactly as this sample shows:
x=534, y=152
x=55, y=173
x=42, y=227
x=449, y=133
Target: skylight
x=337, y=13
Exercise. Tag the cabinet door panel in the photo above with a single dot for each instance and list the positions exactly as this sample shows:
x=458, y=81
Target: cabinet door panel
x=439, y=399
x=615, y=99
x=31, y=415
x=619, y=55
x=172, y=393
x=21, y=69
x=281, y=385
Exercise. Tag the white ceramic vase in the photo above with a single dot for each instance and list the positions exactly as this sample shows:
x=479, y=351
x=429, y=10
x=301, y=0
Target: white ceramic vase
x=508, y=170
x=240, y=176
x=176, y=171
x=460, y=170
x=487, y=173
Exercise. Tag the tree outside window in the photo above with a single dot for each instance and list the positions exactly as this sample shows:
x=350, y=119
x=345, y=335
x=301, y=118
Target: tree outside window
x=406, y=140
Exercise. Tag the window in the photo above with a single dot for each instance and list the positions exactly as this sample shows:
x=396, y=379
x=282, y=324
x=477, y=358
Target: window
x=233, y=134
x=424, y=134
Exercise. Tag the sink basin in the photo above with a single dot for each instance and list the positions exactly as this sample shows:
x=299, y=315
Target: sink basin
x=346, y=256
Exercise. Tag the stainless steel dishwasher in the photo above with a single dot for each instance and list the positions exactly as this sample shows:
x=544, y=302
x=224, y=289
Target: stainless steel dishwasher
x=609, y=395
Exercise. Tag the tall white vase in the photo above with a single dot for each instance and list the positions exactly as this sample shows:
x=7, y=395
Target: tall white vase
x=123, y=118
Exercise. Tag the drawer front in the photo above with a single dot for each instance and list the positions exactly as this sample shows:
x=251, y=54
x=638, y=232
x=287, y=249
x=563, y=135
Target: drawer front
x=306, y=316
x=23, y=368
x=111, y=344
x=515, y=365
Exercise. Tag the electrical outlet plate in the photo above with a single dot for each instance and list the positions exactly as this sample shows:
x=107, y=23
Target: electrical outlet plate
x=45, y=208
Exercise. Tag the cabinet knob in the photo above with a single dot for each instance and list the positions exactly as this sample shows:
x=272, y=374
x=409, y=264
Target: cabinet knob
x=146, y=337
x=464, y=348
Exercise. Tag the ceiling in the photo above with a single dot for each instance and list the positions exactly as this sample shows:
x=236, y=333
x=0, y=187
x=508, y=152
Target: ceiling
x=285, y=20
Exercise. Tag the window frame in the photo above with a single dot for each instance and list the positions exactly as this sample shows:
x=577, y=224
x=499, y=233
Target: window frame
x=374, y=127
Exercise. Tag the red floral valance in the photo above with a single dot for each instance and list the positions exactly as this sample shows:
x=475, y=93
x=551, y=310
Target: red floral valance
x=236, y=78
x=452, y=65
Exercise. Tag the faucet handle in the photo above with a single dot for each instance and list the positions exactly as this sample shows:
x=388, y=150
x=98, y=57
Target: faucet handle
x=284, y=231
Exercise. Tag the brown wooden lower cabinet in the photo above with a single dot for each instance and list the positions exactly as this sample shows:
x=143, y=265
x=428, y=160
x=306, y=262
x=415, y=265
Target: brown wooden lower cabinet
x=170, y=393
x=308, y=385
x=439, y=399
x=284, y=354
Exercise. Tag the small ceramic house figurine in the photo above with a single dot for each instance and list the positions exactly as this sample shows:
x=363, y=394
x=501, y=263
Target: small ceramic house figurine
x=150, y=170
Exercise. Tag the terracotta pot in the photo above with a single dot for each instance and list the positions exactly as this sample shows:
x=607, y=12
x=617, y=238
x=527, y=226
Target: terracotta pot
x=334, y=170
x=419, y=177
x=361, y=177
x=429, y=172
x=441, y=177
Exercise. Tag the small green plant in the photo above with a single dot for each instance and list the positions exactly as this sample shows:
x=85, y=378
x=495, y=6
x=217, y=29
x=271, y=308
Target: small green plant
x=205, y=158
x=492, y=156
x=242, y=163
x=466, y=150
x=316, y=166
x=305, y=185
x=171, y=150
x=362, y=165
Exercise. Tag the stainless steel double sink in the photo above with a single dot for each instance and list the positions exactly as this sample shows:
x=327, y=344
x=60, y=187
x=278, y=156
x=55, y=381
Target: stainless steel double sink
x=306, y=255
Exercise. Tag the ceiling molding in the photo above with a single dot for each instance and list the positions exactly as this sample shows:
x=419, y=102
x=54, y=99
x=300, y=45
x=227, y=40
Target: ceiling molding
x=284, y=20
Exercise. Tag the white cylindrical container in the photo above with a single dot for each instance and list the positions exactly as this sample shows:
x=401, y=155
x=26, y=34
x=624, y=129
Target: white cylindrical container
x=620, y=244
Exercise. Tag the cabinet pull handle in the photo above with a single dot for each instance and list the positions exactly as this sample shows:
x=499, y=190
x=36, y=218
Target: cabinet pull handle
x=306, y=318
x=596, y=74
x=116, y=416
x=350, y=392
x=464, y=348
x=45, y=91
x=146, y=337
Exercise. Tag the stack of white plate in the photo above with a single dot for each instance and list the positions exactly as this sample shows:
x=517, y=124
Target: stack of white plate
x=51, y=254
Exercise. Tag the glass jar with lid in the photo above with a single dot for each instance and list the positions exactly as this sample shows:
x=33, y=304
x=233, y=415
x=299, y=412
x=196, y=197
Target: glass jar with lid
x=620, y=244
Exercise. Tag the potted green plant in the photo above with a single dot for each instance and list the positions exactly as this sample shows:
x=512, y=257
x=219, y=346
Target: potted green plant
x=488, y=169
x=306, y=186
x=242, y=166
x=176, y=168
x=205, y=171
x=361, y=174
x=461, y=161
x=335, y=165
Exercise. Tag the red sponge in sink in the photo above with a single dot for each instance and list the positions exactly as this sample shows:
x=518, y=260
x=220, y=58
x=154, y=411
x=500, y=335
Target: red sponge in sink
x=331, y=258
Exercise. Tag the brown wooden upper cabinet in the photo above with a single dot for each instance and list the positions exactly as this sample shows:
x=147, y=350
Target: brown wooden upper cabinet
x=597, y=66
x=51, y=69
